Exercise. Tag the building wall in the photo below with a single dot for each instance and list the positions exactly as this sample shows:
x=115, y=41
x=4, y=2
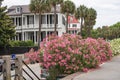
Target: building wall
x=29, y=32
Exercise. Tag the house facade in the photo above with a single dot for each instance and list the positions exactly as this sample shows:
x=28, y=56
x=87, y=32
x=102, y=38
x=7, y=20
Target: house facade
x=73, y=25
x=27, y=23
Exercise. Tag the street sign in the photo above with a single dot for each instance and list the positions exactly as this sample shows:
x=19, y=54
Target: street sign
x=13, y=56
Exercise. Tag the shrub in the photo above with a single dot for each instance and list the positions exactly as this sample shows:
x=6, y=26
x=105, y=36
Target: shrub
x=32, y=56
x=71, y=53
x=115, y=45
x=21, y=43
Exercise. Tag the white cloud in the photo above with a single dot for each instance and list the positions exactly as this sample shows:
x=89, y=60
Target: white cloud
x=15, y=2
x=108, y=10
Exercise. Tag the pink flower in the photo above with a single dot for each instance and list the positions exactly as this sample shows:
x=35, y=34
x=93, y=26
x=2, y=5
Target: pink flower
x=85, y=69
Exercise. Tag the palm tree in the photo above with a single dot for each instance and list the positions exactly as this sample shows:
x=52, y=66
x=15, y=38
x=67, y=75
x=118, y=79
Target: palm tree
x=67, y=8
x=54, y=3
x=80, y=14
x=39, y=6
x=90, y=20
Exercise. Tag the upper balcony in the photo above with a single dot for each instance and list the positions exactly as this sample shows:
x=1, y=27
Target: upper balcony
x=36, y=26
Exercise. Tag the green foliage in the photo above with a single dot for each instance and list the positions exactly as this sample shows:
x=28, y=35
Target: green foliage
x=55, y=2
x=109, y=33
x=87, y=18
x=68, y=8
x=39, y=6
x=7, y=30
x=80, y=14
x=21, y=43
x=70, y=53
x=115, y=45
x=90, y=20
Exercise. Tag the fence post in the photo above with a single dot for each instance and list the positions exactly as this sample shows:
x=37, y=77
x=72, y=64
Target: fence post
x=18, y=69
x=6, y=68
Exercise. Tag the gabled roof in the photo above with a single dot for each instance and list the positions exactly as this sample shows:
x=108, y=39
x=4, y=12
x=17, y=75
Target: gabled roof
x=24, y=9
x=72, y=19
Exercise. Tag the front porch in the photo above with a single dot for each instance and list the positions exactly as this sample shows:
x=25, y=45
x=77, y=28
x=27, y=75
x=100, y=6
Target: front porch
x=32, y=35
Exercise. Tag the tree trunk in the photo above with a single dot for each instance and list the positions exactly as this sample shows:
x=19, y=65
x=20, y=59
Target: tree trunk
x=39, y=33
x=55, y=24
x=67, y=23
x=81, y=25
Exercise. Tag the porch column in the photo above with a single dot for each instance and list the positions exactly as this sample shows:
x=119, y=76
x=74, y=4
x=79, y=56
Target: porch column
x=34, y=36
x=26, y=36
x=46, y=21
x=23, y=36
x=15, y=38
x=46, y=34
x=15, y=21
x=22, y=29
x=18, y=37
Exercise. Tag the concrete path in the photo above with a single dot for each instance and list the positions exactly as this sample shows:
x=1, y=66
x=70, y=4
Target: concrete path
x=108, y=71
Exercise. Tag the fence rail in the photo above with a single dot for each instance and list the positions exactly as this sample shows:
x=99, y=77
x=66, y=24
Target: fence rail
x=6, y=71
x=16, y=50
x=31, y=70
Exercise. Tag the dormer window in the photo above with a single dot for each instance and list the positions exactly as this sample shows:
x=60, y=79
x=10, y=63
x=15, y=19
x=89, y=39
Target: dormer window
x=18, y=10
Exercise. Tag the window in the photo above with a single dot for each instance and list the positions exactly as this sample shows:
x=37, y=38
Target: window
x=16, y=21
x=51, y=19
x=20, y=21
x=56, y=19
x=43, y=19
x=63, y=20
x=30, y=19
x=18, y=9
x=69, y=25
x=47, y=19
x=74, y=25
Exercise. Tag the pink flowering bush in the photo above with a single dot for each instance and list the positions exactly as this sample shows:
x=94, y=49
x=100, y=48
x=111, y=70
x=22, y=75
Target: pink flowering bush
x=32, y=56
x=71, y=53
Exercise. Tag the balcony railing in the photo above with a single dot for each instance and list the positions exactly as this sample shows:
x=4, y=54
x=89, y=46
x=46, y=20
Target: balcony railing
x=37, y=26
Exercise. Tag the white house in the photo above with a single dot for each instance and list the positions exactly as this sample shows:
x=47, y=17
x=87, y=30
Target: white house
x=73, y=25
x=27, y=23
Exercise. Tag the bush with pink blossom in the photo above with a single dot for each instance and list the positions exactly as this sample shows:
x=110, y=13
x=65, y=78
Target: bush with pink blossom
x=70, y=53
x=32, y=56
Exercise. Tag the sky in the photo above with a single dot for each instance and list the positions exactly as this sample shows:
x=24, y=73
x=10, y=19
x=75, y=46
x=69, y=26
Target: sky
x=108, y=11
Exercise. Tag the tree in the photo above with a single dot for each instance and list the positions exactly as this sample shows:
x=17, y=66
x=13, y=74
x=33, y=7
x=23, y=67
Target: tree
x=80, y=14
x=39, y=6
x=89, y=20
x=54, y=4
x=68, y=7
x=7, y=29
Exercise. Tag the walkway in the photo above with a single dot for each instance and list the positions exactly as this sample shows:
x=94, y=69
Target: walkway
x=108, y=71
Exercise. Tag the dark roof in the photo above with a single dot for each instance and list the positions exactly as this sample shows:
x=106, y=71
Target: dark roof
x=24, y=9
